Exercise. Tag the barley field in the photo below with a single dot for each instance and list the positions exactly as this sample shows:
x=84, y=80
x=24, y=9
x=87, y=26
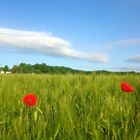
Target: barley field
x=69, y=107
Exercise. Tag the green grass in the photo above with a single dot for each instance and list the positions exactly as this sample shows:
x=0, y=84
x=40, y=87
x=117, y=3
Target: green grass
x=70, y=107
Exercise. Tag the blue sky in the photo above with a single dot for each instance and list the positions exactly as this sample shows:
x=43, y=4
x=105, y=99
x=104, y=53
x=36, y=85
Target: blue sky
x=81, y=34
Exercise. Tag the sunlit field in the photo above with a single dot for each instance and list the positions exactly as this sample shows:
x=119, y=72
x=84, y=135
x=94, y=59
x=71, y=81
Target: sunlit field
x=70, y=107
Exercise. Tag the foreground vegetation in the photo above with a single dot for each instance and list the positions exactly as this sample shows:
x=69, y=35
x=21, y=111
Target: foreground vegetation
x=70, y=107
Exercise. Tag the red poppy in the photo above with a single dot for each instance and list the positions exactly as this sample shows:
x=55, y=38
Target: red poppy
x=126, y=87
x=30, y=100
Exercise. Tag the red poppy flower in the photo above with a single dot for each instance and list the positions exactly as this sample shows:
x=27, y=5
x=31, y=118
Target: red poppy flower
x=30, y=100
x=126, y=87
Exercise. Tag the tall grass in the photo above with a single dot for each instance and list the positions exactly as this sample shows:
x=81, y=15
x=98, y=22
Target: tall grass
x=70, y=107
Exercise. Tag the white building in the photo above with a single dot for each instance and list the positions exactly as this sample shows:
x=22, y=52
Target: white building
x=1, y=72
x=8, y=72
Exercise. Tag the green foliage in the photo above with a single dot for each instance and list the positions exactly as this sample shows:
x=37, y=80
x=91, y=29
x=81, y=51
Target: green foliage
x=70, y=107
x=42, y=68
x=5, y=68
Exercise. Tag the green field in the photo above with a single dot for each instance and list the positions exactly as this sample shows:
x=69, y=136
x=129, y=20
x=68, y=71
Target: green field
x=70, y=107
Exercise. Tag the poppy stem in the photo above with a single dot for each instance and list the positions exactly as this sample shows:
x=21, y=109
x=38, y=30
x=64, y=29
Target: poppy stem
x=31, y=125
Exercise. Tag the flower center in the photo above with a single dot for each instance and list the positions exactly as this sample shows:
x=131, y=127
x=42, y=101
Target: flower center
x=29, y=101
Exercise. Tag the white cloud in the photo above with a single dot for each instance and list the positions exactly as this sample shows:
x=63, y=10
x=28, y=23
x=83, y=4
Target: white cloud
x=45, y=43
x=135, y=59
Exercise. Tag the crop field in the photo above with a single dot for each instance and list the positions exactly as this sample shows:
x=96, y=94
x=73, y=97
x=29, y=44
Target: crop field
x=69, y=107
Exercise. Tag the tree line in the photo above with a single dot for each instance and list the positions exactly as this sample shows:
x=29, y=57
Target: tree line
x=24, y=68
x=39, y=69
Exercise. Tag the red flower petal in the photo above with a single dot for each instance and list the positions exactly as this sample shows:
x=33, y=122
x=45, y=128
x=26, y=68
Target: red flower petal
x=30, y=100
x=126, y=87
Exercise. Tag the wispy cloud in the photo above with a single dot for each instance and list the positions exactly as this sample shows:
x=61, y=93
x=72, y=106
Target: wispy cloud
x=45, y=43
x=128, y=42
x=130, y=68
x=135, y=59
x=131, y=42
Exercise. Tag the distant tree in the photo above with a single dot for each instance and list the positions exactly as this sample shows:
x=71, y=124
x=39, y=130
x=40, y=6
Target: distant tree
x=6, y=68
x=15, y=69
